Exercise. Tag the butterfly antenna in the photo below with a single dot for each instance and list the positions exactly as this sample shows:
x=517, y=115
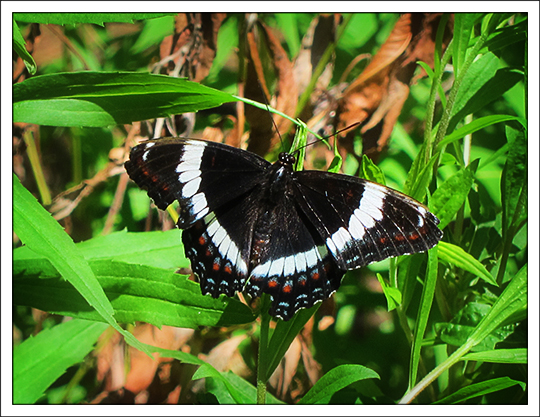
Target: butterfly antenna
x=336, y=133
x=268, y=109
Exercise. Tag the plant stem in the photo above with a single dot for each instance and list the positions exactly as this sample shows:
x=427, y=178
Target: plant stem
x=35, y=163
x=436, y=83
x=262, y=359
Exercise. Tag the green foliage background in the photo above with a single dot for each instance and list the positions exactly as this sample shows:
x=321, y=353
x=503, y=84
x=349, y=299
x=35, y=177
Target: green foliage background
x=460, y=318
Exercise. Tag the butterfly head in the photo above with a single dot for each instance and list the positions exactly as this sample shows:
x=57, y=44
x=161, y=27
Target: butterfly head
x=287, y=158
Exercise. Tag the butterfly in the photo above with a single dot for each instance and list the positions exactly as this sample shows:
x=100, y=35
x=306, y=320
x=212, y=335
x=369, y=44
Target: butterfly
x=253, y=226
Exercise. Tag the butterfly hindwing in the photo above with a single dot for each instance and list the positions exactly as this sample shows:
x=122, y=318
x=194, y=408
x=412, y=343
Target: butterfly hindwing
x=291, y=261
x=219, y=246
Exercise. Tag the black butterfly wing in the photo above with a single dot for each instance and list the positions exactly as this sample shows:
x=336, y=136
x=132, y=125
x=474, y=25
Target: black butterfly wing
x=364, y=222
x=180, y=169
x=291, y=261
x=219, y=247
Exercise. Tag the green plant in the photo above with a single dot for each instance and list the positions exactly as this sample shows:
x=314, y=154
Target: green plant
x=458, y=337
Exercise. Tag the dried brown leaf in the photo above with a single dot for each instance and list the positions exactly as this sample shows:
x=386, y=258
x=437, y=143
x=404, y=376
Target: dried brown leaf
x=210, y=22
x=377, y=96
x=142, y=367
x=283, y=375
x=286, y=91
x=226, y=357
x=255, y=88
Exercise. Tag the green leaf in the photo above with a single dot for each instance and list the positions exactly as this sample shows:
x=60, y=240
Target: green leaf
x=483, y=91
x=153, y=32
x=451, y=194
x=498, y=356
x=235, y=395
x=77, y=18
x=136, y=292
x=335, y=380
x=19, y=47
x=227, y=43
x=479, y=389
x=408, y=271
x=457, y=332
x=159, y=249
x=512, y=300
x=506, y=36
x=288, y=22
x=370, y=171
x=423, y=313
x=42, y=359
x=393, y=295
x=246, y=391
x=514, y=177
x=463, y=27
x=427, y=69
x=478, y=74
x=456, y=256
x=417, y=185
x=40, y=232
x=335, y=165
x=477, y=125
x=99, y=99
x=299, y=144
x=205, y=370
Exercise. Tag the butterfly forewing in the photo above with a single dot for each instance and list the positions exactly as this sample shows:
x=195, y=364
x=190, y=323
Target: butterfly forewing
x=175, y=169
x=364, y=222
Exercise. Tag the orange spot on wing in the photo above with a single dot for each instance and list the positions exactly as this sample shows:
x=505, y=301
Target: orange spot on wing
x=272, y=283
x=215, y=266
x=287, y=288
x=228, y=269
x=315, y=276
x=202, y=241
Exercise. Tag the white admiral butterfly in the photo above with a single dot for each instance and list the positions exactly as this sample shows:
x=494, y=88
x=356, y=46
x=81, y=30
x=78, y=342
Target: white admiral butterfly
x=253, y=226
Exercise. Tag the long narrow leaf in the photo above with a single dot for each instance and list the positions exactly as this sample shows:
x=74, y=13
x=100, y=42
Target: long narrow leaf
x=423, y=313
x=42, y=359
x=513, y=299
x=98, y=99
x=137, y=293
x=39, y=231
x=498, y=356
x=450, y=195
x=477, y=125
x=458, y=257
x=482, y=388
